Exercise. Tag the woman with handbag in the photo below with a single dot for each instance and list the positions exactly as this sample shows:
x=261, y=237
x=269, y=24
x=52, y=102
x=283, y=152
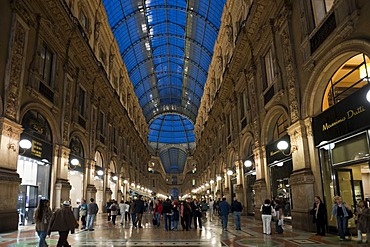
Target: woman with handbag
x=340, y=212
x=363, y=221
x=319, y=216
x=279, y=217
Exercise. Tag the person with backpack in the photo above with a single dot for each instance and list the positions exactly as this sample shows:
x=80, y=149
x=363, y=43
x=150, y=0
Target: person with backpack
x=113, y=211
x=267, y=211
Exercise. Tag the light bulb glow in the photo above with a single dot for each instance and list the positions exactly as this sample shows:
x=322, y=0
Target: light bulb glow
x=282, y=145
x=212, y=181
x=368, y=96
x=230, y=172
x=219, y=178
x=25, y=144
x=100, y=173
x=75, y=162
x=248, y=163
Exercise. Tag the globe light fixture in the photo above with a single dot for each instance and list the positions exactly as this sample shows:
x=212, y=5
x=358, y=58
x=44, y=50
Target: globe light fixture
x=100, y=173
x=230, y=172
x=75, y=162
x=25, y=144
x=212, y=181
x=219, y=178
x=248, y=163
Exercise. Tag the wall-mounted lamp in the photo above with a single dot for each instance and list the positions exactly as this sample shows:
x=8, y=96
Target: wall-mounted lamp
x=133, y=184
x=125, y=181
x=248, y=163
x=229, y=172
x=115, y=178
x=207, y=184
x=24, y=144
x=368, y=96
x=73, y=163
x=212, y=181
x=283, y=145
x=100, y=172
x=219, y=178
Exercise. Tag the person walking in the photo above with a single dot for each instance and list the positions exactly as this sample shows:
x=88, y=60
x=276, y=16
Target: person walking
x=42, y=218
x=267, y=212
x=175, y=215
x=204, y=207
x=340, y=212
x=319, y=216
x=197, y=213
x=92, y=210
x=185, y=212
x=122, y=208
x=157, y=211
x=139, y=210
x=64, y=222
x=236, y=209
x=279, y=217
x=224, y=210
x=363, y=221
x=133, y=214
x=113, y=211
x=83, y=213
x=211, y=205
x=167, y=213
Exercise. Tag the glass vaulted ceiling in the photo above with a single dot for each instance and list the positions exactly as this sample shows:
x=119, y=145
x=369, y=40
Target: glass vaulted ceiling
x=167, y=46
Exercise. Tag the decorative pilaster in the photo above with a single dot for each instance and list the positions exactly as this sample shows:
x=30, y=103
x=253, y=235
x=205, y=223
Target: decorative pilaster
x=15, y=69
x=9, y=178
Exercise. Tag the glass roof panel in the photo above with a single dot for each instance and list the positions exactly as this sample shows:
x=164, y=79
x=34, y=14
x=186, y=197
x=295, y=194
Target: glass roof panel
x=167, y=46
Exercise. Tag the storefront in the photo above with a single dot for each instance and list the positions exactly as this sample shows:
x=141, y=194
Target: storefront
x=342, y=134
x=280, y=168
x=76, y=171
x=34, y=165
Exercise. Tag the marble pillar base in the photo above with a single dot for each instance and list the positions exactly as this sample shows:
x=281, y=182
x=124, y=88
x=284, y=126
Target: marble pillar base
x=302, y=185
x=62, y=191
x=260, y=196
x=9, y=187
x=90, y=192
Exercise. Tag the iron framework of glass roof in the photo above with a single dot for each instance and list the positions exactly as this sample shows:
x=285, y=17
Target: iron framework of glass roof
x=167, y=46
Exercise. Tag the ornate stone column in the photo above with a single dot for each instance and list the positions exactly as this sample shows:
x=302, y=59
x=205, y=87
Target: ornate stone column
x=62, y=186
x=227, y=191
x=260, y=186
x=9, y=178
x=301, y=180
x=89, y=177
x=239, y=187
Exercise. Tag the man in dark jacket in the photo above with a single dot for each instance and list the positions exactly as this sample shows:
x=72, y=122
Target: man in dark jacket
x=197, y=214
x=63, y=221
x=236, y=208
x=92, y=210
x=139, y=210
x=167, y=213
x=224, y=209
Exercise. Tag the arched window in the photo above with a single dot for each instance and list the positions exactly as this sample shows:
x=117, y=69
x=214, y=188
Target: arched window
x=351, y=76
x=280, y=127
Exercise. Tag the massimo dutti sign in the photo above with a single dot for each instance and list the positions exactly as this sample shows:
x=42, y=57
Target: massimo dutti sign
x=347, y=116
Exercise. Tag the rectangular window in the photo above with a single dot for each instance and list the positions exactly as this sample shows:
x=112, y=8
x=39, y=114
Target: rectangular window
x=101, y=123
x=243, y=109
x=320, y=8
x=84, y=21
x=47, y=66
x=269, y=69
x=82, y=102
x=103, y=57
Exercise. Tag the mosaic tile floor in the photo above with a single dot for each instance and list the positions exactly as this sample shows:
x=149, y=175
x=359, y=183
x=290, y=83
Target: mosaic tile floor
x=106, y=234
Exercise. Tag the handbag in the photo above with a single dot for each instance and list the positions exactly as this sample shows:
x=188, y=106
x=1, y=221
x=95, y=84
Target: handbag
x=154, y=221
x=350, y=213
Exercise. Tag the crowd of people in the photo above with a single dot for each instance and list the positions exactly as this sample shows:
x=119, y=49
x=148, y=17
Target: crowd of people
x=191, y=213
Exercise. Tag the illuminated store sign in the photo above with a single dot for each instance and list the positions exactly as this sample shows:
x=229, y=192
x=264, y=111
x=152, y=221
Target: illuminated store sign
x=348, y=116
